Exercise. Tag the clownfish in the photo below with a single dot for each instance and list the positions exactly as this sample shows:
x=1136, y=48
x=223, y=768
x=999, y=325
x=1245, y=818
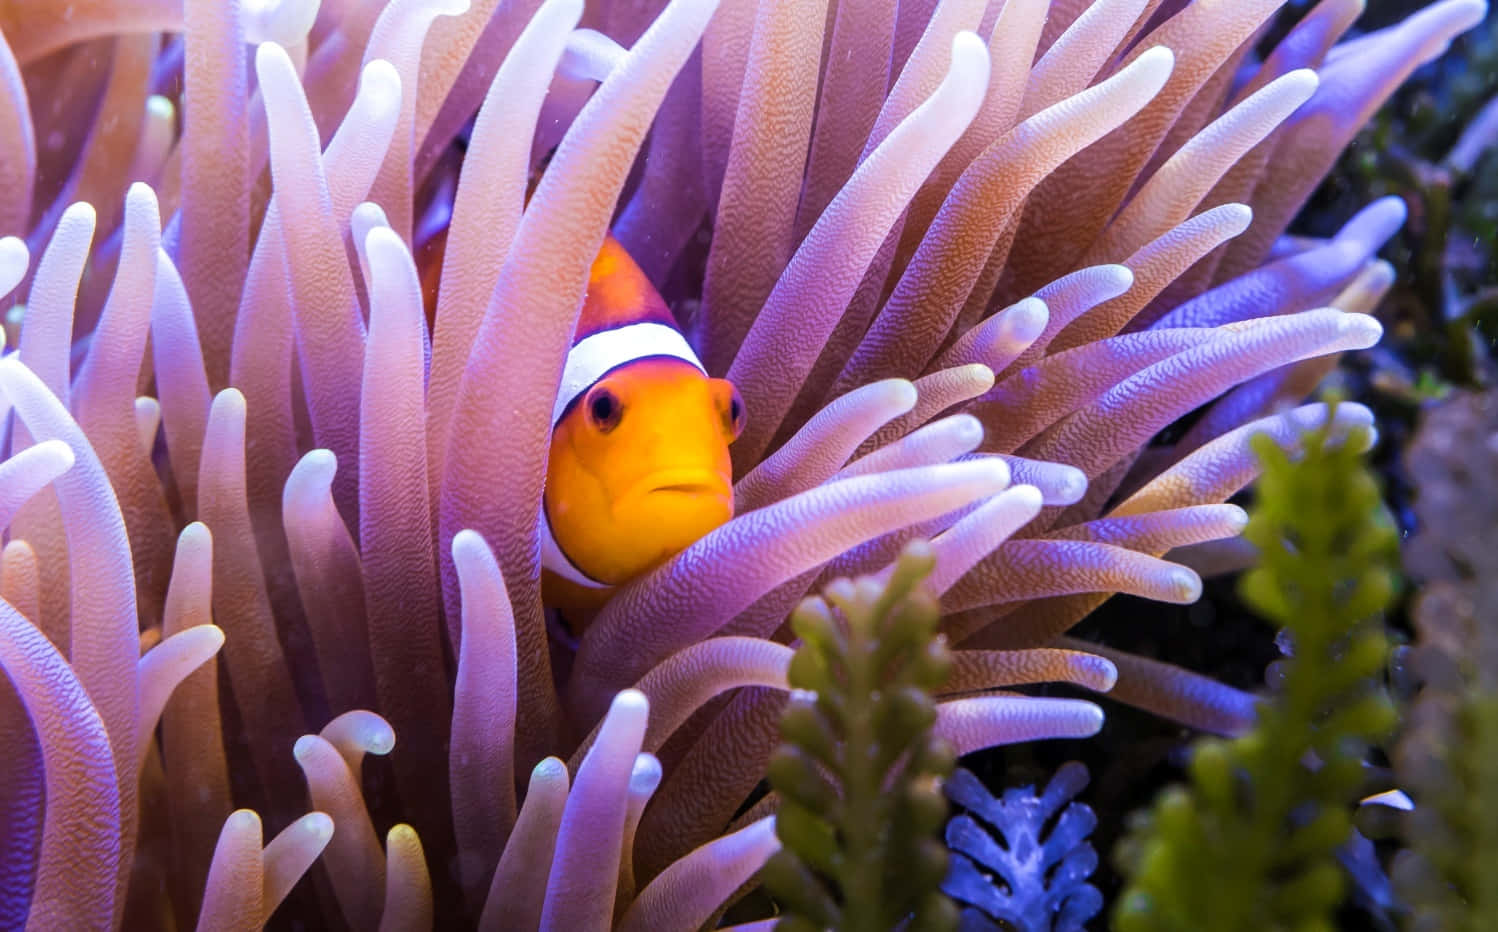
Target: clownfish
x=638, y=467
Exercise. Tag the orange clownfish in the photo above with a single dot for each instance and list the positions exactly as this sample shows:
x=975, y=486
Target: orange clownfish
x=639, y=467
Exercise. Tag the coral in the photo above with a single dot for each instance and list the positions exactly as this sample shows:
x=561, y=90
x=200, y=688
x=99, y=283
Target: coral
x=1252, y=842
x=1023, y=859
x=859, y=772
x=1447, y=756
x=965, y=261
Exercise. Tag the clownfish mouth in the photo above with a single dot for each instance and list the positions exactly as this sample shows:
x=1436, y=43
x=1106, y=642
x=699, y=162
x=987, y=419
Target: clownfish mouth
x=703, y=488
x=685, y=482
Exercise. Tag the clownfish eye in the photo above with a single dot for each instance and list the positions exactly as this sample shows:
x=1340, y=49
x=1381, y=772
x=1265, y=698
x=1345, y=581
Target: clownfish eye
x=736, y=415
x=604, y=409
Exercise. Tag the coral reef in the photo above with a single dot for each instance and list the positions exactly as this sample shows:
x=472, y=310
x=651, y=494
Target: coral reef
x=964, y=260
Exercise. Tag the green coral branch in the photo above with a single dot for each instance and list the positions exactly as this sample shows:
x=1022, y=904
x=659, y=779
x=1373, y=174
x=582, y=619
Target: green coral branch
x=1250, y=843
x=859, y=773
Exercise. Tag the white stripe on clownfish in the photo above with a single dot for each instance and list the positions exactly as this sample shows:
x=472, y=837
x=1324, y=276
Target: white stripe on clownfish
x=598, y=354
x=552, y=558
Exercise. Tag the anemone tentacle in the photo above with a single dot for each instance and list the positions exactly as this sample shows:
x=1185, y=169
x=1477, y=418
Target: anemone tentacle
x=967, y=259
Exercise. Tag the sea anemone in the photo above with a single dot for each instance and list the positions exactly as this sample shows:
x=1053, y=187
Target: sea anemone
x=964, y=260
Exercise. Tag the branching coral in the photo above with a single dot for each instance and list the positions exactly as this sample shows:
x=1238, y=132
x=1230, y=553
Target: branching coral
x=1023, y=858
x=1000, y=282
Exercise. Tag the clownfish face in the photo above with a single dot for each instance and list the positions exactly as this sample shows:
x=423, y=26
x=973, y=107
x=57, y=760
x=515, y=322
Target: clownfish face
x=638, y=470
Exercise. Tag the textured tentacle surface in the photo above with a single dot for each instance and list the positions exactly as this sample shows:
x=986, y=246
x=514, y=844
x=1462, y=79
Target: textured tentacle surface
x=1351, y=90
x=862, y=32
x=402, y=603
x=1008, y=276
x=330, y=579
x=213, y=249
x=1217, y=470
x=684, y=682
x=289, y=855
x=265, y=332
x=1296, y=282
x=1001, y=340
x=355, y=864
x=644, y=780
x=689, y=891
x=1179, y=185
x=192, y=736
x=45, y=340
x=1071, y=296
x=939, y=442
x=256, y=666
x=1155, y=266
x=517, y=892
x=30, y=471
x=997, y=669
x=1195, y=376
x=482, y=756
x=950, y=259
x=1187, y=697
x=408, y=887
x=757, y=207
x=692, y=602
x=487, y=206
x=585, y=868
x=937, y=392
x=20, y=142
x=1071, y=380
x=80, y=846
x=986, y=721
x=164, y=667
x=810, y=304
x=1033, y=569
x=823, y=445
x=358, y=733
x=103, y=629
x=105, y=399
x=181, y=379
x=1201, y=36
x=397, y=37
x=20, y=582
x=329, y=329
x=236, y=879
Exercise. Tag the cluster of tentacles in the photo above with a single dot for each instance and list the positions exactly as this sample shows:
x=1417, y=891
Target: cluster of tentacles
x=964, y=259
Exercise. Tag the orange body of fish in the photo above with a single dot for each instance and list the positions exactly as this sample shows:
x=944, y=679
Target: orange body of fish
x=639, y=466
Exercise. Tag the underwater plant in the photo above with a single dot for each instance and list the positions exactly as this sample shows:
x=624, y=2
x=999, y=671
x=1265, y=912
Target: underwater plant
x=1023, y=858
x=962, y=260
x=1447, y=755
x=859, y=773
x=1251, y=842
